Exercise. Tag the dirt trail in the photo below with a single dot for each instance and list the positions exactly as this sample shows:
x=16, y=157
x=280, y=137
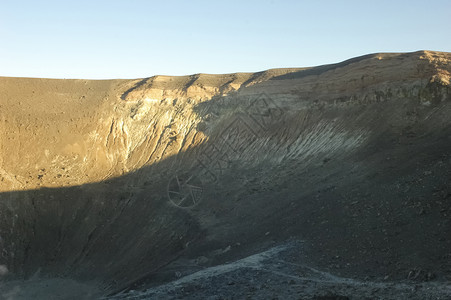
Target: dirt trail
x=280, y=277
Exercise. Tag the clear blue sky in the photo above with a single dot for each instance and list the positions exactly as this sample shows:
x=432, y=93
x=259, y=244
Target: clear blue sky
x=132, y=39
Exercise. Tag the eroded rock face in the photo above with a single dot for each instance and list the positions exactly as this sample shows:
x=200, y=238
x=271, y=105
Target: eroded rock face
x=352, y=157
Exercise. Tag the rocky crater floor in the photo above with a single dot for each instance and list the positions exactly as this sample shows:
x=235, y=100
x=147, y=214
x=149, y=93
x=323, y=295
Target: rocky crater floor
x=330, y=182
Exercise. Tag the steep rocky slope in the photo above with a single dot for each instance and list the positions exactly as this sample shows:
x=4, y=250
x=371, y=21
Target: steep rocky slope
x=128, y=183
